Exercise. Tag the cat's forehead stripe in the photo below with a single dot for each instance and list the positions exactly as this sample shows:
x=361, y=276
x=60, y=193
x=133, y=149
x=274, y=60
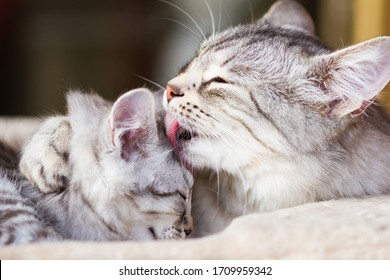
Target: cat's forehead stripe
x=249, y=36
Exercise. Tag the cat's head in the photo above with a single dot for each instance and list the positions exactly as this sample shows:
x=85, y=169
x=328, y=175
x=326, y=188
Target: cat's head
x=126, y=169
x=268, y=90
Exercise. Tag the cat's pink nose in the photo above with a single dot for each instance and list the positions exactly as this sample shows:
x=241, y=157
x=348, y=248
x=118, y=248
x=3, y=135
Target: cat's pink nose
x=171, y=93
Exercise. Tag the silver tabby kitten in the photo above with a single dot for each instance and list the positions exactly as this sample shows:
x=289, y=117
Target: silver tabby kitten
x=20, y=222
x=104, y=172
x=269, y=117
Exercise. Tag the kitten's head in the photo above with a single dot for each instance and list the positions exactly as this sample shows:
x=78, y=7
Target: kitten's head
x=126, y=169
x=259, y=92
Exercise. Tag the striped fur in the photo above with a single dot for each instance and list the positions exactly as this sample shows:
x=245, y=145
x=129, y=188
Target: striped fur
x=103, y=172
x=20, y=223
x=269, y=117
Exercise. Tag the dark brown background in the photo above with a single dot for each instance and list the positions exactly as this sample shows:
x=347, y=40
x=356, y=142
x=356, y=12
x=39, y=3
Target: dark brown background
x=49, y=46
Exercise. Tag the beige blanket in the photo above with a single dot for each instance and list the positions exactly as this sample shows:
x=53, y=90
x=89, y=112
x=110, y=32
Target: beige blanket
x=337, y=229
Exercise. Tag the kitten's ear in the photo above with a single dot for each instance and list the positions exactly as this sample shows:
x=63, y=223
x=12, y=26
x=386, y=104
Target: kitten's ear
x=290, y=14
x=352, y=77
x=132, y=121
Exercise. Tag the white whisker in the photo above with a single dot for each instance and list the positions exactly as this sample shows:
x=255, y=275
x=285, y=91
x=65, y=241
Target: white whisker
x=182, y=24
x=251, y=9
x=211, y=16
x=212, y=190
x=218, y=187
x=217, y=173
x=220, y=15
x=188, y=15
x=227, y=15
x=230, y=133
x=342, y=41
x=150, y=81
x=229, y=150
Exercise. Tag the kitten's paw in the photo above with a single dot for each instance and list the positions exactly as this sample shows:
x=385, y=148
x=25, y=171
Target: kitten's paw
x=45, y=158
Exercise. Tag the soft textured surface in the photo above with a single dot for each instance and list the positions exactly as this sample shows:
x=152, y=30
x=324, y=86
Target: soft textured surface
x=337, y=229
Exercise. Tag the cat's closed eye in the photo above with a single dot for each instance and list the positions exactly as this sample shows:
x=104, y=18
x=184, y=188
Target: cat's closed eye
x=216, y=80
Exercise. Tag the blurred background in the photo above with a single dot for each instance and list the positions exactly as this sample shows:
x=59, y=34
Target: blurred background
x=49, y=46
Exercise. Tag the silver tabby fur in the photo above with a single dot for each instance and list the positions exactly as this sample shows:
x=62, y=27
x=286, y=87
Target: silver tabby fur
x=20, y=222
x=103, y=172
x=277, y=119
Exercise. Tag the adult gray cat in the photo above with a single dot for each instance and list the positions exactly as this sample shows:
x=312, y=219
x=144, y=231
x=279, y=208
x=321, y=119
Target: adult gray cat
x=106, y=172
x=268, y=117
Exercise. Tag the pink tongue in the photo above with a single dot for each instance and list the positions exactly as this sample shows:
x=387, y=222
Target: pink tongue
x=172, y=126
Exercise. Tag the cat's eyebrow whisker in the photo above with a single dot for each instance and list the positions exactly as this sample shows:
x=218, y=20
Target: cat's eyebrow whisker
x=211, y=16
x=227, y=15
x=251, y=10
x=188, y=15
x=220, y=15
x=149, y=81
x=193, y=36
x=342, y=41
x=181, y=24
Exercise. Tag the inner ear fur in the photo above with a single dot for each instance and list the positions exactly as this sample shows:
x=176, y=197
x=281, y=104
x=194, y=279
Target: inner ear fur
x=352, y=77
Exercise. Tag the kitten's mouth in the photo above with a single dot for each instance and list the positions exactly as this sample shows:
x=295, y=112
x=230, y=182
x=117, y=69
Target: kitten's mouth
x=183, y=134
x=176, y=133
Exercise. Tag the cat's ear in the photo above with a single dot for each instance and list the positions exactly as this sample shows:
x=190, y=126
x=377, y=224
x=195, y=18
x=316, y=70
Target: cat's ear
x=133, y=122
x=352, y=77
x=290, y=14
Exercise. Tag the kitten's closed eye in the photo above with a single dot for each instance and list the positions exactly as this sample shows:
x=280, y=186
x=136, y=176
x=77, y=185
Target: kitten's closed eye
x=168, y=194
x=216, y=80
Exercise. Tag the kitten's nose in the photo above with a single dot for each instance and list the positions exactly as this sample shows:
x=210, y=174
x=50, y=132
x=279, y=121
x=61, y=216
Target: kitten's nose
x=171, y=92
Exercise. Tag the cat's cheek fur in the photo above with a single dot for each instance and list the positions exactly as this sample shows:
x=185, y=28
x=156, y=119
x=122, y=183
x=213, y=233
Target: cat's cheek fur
x=227, y=147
